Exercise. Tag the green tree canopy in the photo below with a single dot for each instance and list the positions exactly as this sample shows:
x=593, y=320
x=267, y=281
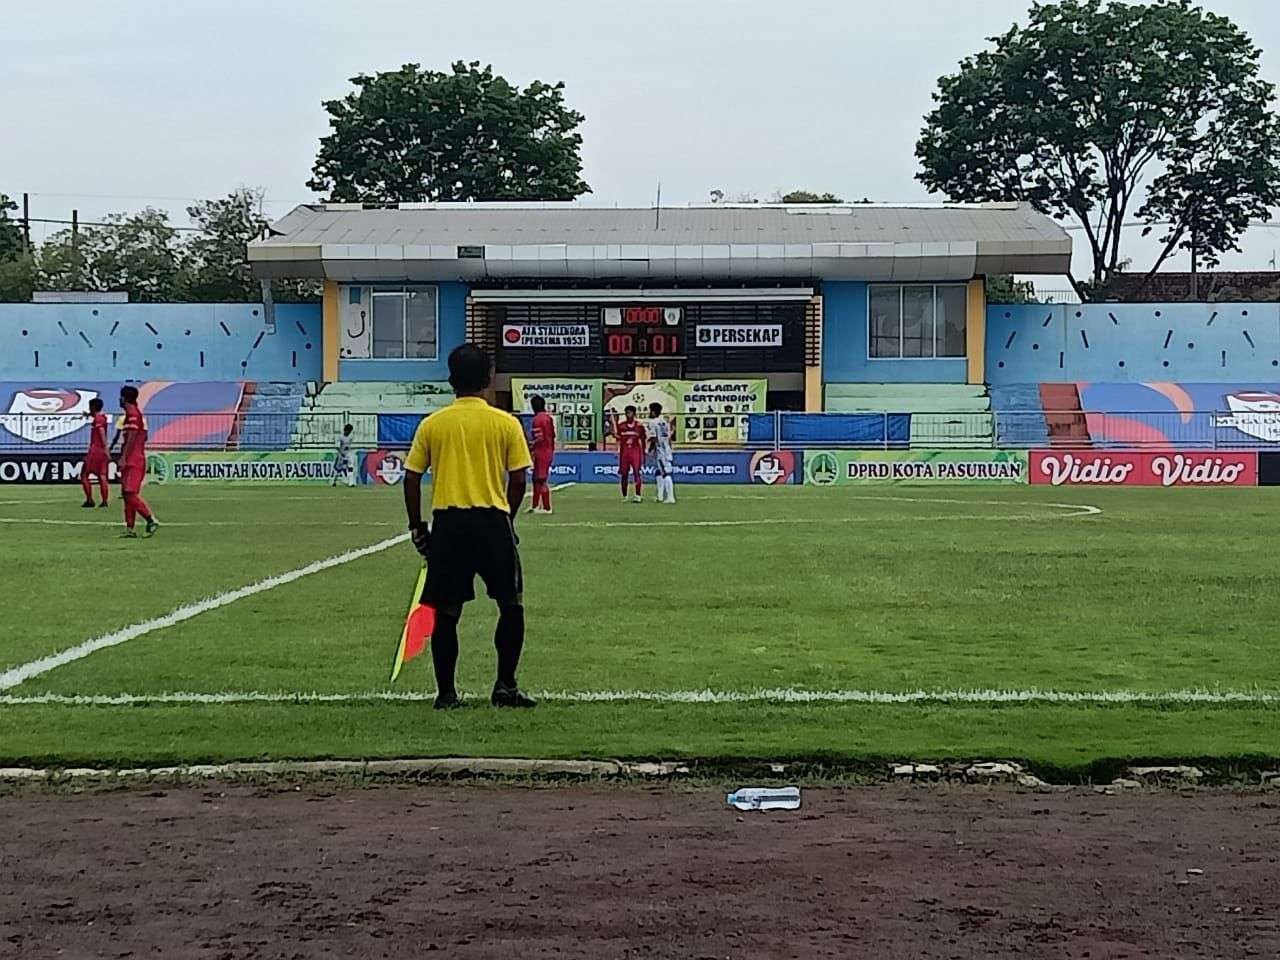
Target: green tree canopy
x=137, y=253
x=414, y=135
x=1102, y=112
x=809, y=196
x=216, y=267
x=10, y=233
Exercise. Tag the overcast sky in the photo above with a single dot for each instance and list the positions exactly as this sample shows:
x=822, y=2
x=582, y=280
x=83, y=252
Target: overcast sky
x=114, y=105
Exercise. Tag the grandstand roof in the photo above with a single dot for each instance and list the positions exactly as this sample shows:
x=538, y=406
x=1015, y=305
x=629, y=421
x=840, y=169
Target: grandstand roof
x=571, y=240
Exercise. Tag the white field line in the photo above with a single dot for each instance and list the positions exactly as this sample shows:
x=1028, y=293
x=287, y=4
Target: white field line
x=21, y=674
x=785, y=695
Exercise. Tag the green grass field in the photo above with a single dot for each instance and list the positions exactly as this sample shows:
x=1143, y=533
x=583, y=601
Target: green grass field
x=740, y=623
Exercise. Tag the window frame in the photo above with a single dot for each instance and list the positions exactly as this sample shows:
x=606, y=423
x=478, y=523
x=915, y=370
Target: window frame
x=402, y=291
x=937, y=340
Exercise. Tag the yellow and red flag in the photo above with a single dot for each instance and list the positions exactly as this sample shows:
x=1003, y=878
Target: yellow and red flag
x=418, y=625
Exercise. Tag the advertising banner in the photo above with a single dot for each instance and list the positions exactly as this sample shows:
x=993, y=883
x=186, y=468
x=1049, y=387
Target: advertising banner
x=299, y=467
x=44, y=468
x=827, y=467
x=1144, y=468
x=738, y=335
x=556, y=336
x=574, y=402
x=702, y=466
x=706, y=411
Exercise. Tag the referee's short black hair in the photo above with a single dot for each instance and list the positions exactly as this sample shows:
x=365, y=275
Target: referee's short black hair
x=537, y=404
x=469, y=369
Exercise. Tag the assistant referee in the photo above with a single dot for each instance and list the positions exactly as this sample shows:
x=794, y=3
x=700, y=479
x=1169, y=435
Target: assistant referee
x=478, y=456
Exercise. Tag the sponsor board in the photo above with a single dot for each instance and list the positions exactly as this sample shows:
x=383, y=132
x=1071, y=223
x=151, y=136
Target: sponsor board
x=690, y=466
x=241, y=467
x=560, y=336
x=381, y=468
x=828, y=467
x=738, y=335
x=574, y=403
x=1144, y=468
x=45, y=468
x=39, y=415
x=775, y=467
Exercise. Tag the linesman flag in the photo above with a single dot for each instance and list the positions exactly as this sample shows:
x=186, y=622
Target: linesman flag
x=418, y=625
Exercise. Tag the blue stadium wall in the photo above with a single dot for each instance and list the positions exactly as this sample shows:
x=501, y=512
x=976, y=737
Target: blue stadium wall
x=1133, y=343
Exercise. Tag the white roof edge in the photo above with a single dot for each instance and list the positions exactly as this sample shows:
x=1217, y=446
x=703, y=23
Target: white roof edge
x=691, y=205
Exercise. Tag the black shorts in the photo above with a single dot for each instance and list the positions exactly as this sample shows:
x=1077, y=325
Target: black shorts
x=467, y=542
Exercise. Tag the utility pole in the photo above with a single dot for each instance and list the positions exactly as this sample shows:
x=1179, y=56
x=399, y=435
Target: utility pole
x=26, y=223
x=75, y=230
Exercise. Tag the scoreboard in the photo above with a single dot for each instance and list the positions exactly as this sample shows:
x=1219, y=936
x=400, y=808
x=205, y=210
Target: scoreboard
x=643, y=333
x=610, y=339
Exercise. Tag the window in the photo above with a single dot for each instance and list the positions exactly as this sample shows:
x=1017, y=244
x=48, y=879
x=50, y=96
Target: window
x=915, y=321
x=404, y=323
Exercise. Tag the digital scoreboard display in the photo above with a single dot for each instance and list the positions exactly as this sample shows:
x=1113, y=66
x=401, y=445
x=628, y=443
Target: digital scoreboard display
x=643, y=333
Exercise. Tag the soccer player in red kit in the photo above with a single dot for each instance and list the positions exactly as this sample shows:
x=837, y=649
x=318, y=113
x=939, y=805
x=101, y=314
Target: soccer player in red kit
x=632, y=439
x=96, y=462
x=544, y=451
x=133, y=463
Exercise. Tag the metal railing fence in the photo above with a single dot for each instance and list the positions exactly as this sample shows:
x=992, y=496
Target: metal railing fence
x=779, y=430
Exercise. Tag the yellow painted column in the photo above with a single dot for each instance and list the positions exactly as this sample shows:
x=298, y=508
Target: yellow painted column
x=813, y=356
x=975, y=330
x=331, y=330
x=644, y=373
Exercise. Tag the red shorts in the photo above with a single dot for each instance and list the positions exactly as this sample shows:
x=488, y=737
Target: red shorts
x=131, y=479
x=542, y=466
x=630, y=460
x=97, y=465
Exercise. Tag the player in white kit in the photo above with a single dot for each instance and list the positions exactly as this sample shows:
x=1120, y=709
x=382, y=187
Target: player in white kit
x=344, y=465
x=660, y=453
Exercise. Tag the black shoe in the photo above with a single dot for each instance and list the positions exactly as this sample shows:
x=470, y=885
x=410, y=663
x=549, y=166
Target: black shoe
x=511, y=697
x=152, y=526
x=101, y=505
x=87, y=503
x=129, y=535
x=449, y=701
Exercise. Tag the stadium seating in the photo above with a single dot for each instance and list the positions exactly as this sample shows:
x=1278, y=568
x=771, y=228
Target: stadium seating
x=328, y=405
x=270, y=418
x=1020, y=417
x=942, y=414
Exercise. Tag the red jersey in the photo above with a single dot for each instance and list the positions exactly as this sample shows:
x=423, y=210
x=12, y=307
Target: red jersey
x=98, y=436
x=544, y=435
x=632, y=436
x=134, y=425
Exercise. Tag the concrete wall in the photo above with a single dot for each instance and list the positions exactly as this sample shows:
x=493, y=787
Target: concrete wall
x=1185, y=342
x=197, y=342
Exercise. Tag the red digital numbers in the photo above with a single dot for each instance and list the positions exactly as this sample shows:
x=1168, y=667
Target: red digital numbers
x=642, y=316
x=642, y=344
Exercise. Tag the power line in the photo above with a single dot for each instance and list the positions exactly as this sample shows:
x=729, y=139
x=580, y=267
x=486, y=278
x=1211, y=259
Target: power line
x=95, y=223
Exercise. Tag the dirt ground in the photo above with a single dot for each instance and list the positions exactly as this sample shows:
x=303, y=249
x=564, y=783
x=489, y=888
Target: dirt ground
x=486, y=871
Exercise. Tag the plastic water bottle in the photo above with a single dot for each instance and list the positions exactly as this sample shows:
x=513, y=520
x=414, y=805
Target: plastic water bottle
x=765, y=798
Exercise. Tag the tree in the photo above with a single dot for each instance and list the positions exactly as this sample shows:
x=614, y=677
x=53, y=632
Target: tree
x=808, y=196
x=10, y=233
x=138, y=254
x=420, y=135
x=18, y=278
x=216, y=267
x=1092, y=105
x=1003, y=288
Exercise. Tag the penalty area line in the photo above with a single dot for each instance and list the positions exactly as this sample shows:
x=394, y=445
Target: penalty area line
x=782, y=695
x=27, y=671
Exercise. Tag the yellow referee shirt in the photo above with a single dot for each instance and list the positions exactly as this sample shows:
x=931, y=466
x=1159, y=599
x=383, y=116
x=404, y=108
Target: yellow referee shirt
x=470, y=447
